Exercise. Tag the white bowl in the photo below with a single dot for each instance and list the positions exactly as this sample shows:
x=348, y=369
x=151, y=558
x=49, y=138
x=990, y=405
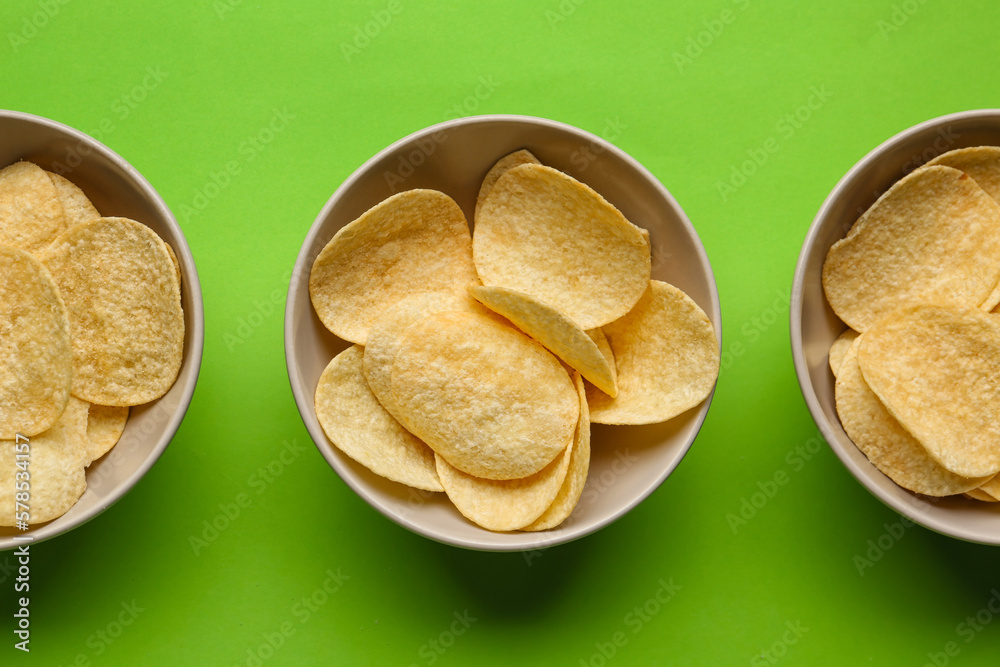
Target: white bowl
x=814, y=325
x=116, y=189
x=628, y=463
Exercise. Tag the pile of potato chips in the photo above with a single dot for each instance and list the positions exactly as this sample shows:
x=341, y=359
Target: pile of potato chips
x=480, y=360
x=90, y=324
x=917, y=280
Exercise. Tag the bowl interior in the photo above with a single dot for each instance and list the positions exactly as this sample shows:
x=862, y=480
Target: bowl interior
x=814, y=326
x=116, y=189
x=628, y=463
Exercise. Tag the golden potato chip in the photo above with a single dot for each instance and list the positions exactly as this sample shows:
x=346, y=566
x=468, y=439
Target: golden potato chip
x=982, y=163
x=936, y=370
x=548, y=235
x=360, y=427
x=597, y=335
x=173, y=259
x=553, y=329
x=29, y=207
x=73, y=422
x=992, y=301
x=56, y=466
x=576, y=475
x=413, y=242
x=992, y=487
x=978, y=494
x=105, y=425
x=889, y=446
x=504, y=505
x=667, y=358
x=933, y=237
x=76, y=206
x=492, y=401
x=387, y=331
x=839, y=349
x=124, y=305
x=36, y=359
x=505, y=163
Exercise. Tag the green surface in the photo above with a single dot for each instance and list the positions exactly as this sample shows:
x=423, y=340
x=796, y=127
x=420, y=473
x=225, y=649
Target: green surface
x=182, y=90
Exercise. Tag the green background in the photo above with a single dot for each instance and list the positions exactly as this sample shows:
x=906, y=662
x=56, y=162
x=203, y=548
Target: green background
x=691, y=90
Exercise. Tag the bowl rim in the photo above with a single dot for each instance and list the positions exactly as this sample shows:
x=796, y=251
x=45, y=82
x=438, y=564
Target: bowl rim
x=862, y=471
x=196, y=333
x=303, y=396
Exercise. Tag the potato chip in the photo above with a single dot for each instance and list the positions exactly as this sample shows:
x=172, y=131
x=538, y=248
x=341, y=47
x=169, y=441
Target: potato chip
x=413, y=242
x=992, y=301
x=504, y=505
x=360, y=427
x=490, y=400
x=933, y=237
x=56, y=465
x=29, y=207
x=576, y=475
x=597, y=335
x=889, y=446
x=977, y=494
x=75, y=421
x=124, y=305
x=76, y=206
x=667, y=357
x=982, y=163
x=36, y=359
x=548, y=235
x=553, y=329
x=936, y=369
x=105, y=425
x=387, y=331
x=505, y=163
x=173, y=259
x=839, y=349
x=992, y=487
